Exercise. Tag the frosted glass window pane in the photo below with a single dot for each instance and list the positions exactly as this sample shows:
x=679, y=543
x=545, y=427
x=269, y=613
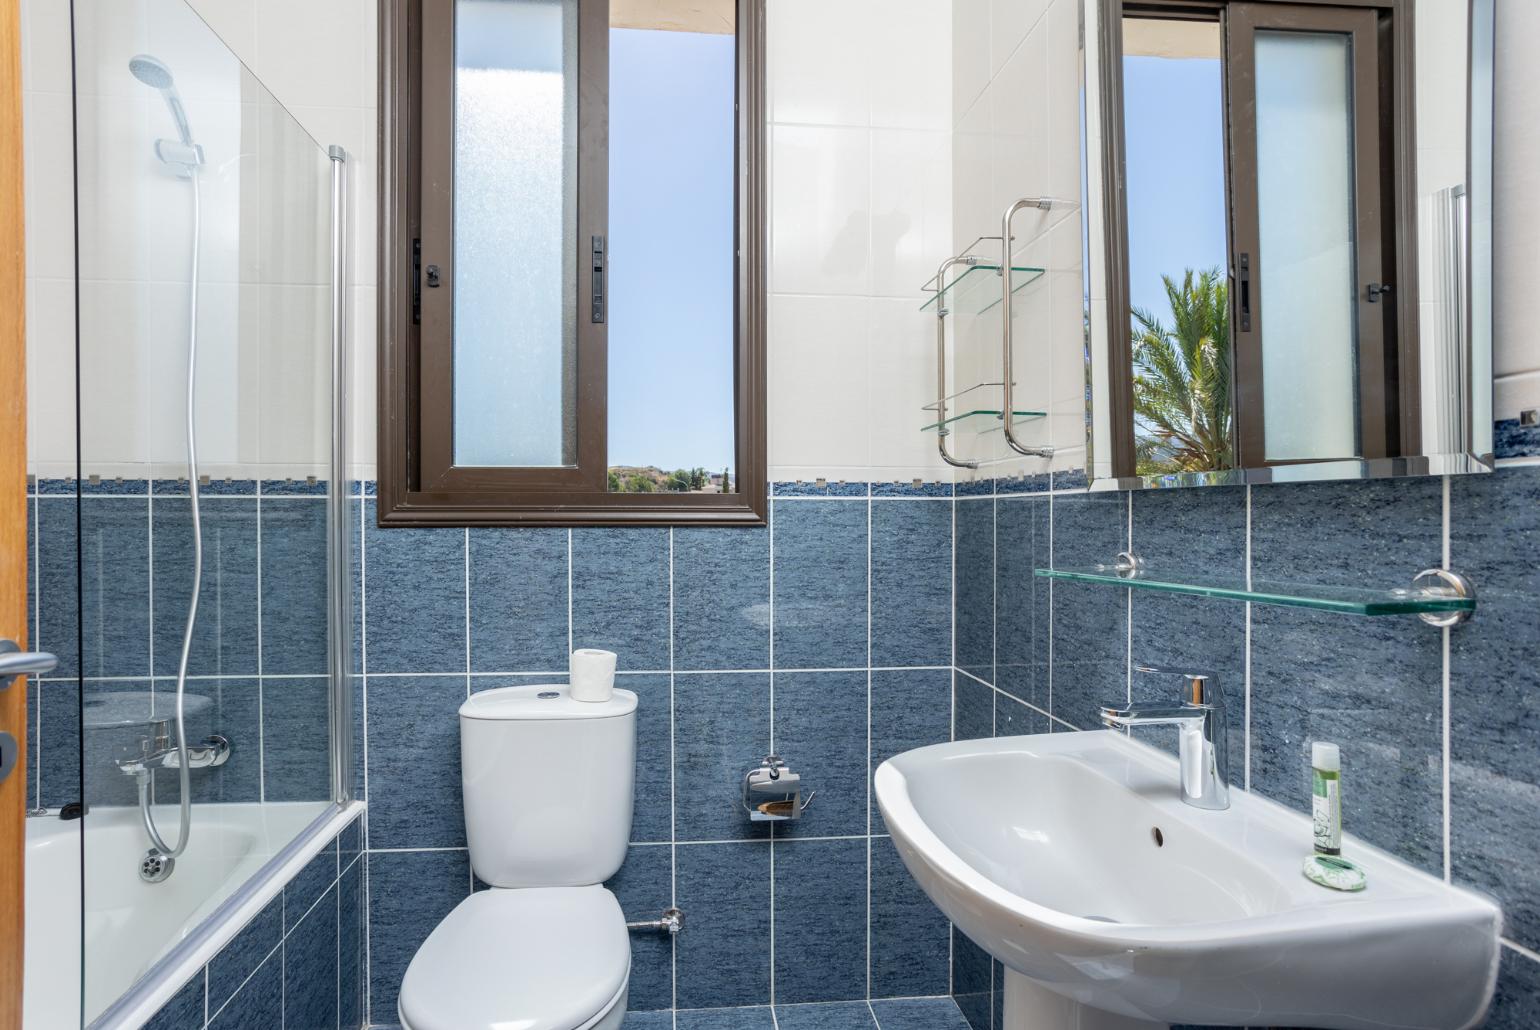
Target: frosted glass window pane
x=1305, y=212
x=515, y=194
x=671, y=337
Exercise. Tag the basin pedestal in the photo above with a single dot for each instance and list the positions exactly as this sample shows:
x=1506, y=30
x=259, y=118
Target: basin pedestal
x=1031, y=1006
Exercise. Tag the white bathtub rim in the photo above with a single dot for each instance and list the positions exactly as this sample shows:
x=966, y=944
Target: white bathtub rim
x=187, y=959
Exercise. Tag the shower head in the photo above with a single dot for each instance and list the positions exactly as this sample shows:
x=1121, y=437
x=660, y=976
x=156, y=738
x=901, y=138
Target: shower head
x=153, y=72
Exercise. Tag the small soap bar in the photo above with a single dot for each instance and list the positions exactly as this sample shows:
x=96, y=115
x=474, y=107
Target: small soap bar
x=1337, y=873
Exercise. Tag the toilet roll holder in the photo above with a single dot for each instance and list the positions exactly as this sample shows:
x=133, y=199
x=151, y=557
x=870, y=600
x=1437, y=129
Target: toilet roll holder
x=772, y=793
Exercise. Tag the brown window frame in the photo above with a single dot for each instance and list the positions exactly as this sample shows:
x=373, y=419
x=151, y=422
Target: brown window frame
x=419, y=484
x=1388, y=335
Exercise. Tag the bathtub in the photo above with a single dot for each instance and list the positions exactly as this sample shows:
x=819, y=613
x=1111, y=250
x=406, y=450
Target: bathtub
x=130, y=926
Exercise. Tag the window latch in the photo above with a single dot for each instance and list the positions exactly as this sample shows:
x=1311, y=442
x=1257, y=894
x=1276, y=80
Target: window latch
x=596, y=252
x=1378, y=290
x=1243, y=280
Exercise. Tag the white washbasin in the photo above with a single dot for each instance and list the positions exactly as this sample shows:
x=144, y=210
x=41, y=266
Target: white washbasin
x=1071, y=858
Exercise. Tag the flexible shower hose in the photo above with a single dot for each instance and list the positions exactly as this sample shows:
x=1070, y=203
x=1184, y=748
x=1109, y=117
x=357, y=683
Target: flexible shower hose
x=183, y=779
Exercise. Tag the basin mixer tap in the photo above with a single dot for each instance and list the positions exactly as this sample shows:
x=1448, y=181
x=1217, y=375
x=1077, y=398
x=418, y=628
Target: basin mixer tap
x=1202, y=727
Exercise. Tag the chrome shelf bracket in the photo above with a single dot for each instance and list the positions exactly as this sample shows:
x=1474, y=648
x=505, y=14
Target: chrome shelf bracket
x=1040, y=204
x=941, y=395
x=1443, y=583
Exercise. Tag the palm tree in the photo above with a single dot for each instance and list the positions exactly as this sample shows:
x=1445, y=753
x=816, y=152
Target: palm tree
x=1182, y=415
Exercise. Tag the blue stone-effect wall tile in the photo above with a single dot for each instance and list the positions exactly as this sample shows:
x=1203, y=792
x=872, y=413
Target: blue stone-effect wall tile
x=834, y=1015
x=973, y=710
x=114, y=581
x=310, y=969
x=656, y=1020
x=652, y=811
x=910, y=708
x=724, y=959
x=58, y=762
x=910, y=938
x=620, y=594
x=1512, y=440
x=756, y=1017
x=1022, y=618
x=1516, y=1005
x=314, y=878
x=972, y=977
x=1071, y=479
x=821, y=732
x=721, y=730
x=351, y=947
x=294, y=587
x=911, y=583
x=974, y=488
x=410, y=892
x=1495, y=695
x=820, y=555
x=225, y=634
x=1377, y=533
x=912, y=489
x=414, y=762
x=645, y=887
x=1014, y=719
x=975, y=591
x=1035, y=483
x=293, y=488
x=919, y=1014
x=234, y=713
x=820, y=920
x=259, y=1004
x=184, y=1010
x=518, y=606
x=1090, y=623
x=296, y=740
x=415, y=590
x=814, y=489
x=722, y=598
x=1201, y=533
x=1374, y=686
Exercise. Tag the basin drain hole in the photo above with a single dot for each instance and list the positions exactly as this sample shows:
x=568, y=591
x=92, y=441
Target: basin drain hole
x=1158, y=837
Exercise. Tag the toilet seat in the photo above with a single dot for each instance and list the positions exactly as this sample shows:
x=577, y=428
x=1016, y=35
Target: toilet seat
x=539, y=958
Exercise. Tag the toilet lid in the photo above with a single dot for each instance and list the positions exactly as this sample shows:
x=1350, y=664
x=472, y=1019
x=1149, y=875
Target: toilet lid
x=532, y=958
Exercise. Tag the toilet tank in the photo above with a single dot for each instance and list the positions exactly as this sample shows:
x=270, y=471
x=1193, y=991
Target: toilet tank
x=547, y=785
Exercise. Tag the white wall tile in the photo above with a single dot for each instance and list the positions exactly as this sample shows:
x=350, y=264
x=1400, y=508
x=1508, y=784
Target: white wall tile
x=820, y=203
x=1517, y=189
x=900, y=382
x=1018, y=103
x=818, y=397
x=818, y=57
x=911, y=197
x=911, y=65
x=50, y=376
x=1009, y=23
x=49, y=186
x=970, y=54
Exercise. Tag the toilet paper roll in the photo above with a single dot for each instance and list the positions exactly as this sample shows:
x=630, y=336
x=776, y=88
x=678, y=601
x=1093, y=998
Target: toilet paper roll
x=592, y=673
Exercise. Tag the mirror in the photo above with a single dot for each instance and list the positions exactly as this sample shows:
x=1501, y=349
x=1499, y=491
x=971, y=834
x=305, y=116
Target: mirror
x=1287, y=219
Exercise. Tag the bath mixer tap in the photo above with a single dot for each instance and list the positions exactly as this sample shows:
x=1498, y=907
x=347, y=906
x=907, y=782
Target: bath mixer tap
x=159, y=751
x=1202, y=727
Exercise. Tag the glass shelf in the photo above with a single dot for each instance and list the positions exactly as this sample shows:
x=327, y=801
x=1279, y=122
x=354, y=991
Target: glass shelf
x=1348, y=600
x=982, y=420
x=978, y=289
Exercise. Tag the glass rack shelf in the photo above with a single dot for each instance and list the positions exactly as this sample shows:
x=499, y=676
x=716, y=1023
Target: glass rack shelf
x=978, y=289
x=1430, y=600
x=981, y=420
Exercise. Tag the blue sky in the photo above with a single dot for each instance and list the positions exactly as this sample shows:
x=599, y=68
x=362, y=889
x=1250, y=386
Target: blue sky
x=671, y=249
x=1173, y=122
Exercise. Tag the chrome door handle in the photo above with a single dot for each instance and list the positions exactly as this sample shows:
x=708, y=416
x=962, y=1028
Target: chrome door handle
x=15, y=662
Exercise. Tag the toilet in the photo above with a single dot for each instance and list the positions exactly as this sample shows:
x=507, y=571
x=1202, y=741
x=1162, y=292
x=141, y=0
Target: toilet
x=548, y=786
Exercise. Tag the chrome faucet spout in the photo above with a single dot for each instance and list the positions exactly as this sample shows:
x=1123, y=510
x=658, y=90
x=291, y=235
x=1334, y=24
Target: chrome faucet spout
x=1203, y=736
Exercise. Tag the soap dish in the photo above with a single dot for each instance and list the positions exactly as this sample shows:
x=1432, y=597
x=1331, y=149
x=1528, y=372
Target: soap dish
x=1336, y=873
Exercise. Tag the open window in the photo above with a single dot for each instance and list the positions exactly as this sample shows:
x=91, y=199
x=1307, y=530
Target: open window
x=1262, y=278
x=571, y=263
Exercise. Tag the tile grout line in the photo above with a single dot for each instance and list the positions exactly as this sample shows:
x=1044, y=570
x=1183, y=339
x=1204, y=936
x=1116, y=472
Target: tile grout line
x=363, y=661
x=1446, y=633
x=261, y=683
x=1128, y=616
x=1246, y=714
x=770, y=506
x=869, y=606
x=673, y=815
x=951, y=935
